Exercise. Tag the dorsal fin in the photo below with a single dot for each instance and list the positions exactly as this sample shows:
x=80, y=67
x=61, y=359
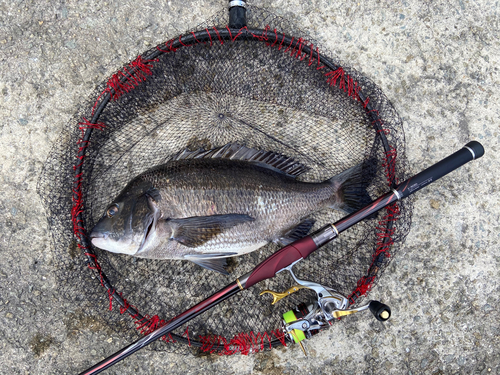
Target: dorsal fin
x=233, y=151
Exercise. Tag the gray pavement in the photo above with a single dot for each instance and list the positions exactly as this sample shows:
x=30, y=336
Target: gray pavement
x=438, y=64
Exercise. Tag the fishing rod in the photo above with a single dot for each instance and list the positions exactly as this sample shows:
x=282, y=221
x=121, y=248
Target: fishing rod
x=330, y=304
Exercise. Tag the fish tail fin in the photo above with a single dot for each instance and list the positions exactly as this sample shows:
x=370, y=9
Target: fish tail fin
x=350, y=187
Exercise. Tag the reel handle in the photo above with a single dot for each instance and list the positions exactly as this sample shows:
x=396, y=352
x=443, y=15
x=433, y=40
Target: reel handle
x=380, y=311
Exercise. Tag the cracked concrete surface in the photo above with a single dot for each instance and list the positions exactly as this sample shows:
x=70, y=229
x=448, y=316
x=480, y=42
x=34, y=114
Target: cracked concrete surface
x=438, y=64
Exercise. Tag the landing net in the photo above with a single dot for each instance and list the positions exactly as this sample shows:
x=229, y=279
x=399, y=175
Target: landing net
x=267, y=86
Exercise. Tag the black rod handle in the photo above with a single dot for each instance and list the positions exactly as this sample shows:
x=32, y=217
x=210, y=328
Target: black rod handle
x=472, y=150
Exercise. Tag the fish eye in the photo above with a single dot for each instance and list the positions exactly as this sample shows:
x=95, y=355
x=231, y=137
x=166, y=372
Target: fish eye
x=112, y=211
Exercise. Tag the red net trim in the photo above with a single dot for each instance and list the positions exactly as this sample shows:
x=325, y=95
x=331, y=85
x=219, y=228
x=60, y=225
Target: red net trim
x=127, y=308
x=244, y=343
x=148, y=324
x=385, y=233
x=77, y=207
x=134, y=73
x=128, y=78
x=168, y=47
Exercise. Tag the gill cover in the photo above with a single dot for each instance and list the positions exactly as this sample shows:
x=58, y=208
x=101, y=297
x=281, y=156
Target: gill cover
x=131, y=222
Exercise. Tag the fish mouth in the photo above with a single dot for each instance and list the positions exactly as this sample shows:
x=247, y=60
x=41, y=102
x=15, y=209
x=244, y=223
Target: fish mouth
x=94, y=234
x=100, y=240
x=97, y=237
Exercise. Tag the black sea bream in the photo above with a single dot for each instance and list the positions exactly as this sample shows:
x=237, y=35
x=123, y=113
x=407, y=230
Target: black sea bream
x=205, y=206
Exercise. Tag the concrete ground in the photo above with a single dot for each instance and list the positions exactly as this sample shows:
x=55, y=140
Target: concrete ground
x=438, y=64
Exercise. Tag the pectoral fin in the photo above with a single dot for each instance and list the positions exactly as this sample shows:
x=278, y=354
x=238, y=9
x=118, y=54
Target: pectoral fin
x=195, y=231
x=213, y=262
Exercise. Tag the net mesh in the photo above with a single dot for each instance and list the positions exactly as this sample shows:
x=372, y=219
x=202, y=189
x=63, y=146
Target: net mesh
x=268, y=86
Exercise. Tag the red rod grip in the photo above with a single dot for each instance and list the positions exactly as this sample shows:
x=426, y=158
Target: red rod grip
x=281, y=259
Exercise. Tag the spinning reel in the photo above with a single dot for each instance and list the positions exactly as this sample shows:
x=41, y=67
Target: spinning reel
x=307, y=320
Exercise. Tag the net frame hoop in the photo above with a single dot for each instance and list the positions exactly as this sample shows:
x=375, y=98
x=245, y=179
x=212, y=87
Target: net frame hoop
x=189, y=40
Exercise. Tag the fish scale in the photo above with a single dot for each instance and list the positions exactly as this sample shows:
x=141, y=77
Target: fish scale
x=191, y=190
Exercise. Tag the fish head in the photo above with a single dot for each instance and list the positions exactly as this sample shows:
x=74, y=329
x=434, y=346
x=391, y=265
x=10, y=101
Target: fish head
x=128, y=223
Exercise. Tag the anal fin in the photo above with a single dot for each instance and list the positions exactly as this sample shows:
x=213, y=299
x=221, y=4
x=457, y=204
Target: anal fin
x=212, y=262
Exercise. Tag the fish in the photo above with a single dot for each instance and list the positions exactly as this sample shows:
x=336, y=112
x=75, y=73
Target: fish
x=207, y=205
